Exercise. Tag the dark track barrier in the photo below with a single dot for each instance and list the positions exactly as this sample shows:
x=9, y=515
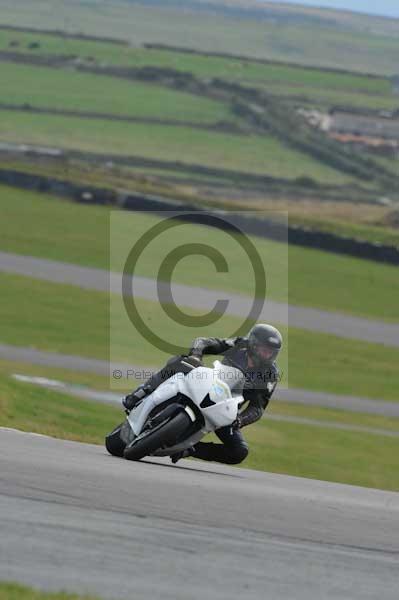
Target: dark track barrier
x=299, y=236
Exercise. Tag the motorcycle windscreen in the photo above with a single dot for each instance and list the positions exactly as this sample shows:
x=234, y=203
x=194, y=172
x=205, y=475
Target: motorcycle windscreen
x=222, y=408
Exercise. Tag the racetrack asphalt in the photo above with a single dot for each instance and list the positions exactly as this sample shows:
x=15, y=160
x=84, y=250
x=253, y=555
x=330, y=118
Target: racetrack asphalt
x=102, y=367
x=74, y=518
x=312, y=319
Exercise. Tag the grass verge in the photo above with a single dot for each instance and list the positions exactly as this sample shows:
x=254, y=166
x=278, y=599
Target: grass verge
x=14, y=591
x=318, y=453
x=69, y=320
x=41, y=410
x=101, y=383
x=45, y=226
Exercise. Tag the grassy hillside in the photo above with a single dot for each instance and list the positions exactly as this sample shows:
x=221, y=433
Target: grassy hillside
x=269, y=138
x=262, y=134
x=250, y=153
x=372, y=47
x=319, y=87
x=62, y=89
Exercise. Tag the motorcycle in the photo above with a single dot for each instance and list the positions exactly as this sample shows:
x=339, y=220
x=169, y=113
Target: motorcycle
x=179, y=413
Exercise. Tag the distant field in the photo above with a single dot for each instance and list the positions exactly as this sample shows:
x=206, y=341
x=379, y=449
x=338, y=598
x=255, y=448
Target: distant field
x=325, y=87
x=41, y=225
x=65, y=89
x=253, y=154
x=201, y=65
x=327, y=97
x=306, y=43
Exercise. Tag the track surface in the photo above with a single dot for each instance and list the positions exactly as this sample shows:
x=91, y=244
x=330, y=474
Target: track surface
x=203, y=299
x=73, y=517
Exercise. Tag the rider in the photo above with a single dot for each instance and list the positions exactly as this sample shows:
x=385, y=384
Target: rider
x=255, y=356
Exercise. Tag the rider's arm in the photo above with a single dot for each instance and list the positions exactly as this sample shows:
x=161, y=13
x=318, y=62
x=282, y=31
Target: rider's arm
x=257, y=403
x=258, y=399
x=211, y=345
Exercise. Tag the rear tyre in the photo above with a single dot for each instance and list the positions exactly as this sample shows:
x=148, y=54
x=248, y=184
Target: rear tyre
x=163, y=435
x=113, y=442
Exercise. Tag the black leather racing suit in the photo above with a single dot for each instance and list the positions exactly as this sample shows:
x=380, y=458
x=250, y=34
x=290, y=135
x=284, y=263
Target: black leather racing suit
x=258, y=389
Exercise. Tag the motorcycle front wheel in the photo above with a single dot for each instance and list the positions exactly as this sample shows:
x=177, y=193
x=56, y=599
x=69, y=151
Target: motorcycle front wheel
x=163, y=435
x=113, y=442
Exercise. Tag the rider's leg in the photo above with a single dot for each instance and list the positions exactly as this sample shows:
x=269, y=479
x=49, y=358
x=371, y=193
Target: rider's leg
x=176, y=364
x=232, y=451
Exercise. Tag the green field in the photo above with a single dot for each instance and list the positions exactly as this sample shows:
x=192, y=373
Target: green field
x=13, y=591
x=318, y=86
x=371, y=47
x=328, y=415
x=305, y=451
x=326, y=97
x=231, y=69
x=48, y=227
x=342, y=456
x=251, y=154
x=64, y=89
x=69, y=320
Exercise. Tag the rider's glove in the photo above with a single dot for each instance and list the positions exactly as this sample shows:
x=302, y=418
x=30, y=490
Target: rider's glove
x=193, y=360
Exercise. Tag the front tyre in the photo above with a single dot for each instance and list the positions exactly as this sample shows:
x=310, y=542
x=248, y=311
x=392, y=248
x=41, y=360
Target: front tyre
x=163, y=435
x=113, y=442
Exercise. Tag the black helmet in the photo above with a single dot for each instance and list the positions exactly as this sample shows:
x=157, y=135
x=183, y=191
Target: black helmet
x=264, y=344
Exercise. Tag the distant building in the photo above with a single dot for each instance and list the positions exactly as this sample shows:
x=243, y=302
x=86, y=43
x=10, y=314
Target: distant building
x=316, y=118
x=364, y=125
x=377, y=145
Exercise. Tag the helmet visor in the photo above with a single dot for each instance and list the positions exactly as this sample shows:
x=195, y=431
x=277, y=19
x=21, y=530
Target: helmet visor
x=263, y=353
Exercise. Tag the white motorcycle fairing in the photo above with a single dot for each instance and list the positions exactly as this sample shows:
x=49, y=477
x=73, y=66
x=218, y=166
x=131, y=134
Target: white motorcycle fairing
x=218, y=411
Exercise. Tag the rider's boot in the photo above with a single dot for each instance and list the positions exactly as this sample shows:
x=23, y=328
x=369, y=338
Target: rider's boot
x=132, y=399
x=183, y=454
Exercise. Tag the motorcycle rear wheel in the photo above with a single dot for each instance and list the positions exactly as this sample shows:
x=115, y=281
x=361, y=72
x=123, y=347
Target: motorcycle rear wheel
x=163, y=435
